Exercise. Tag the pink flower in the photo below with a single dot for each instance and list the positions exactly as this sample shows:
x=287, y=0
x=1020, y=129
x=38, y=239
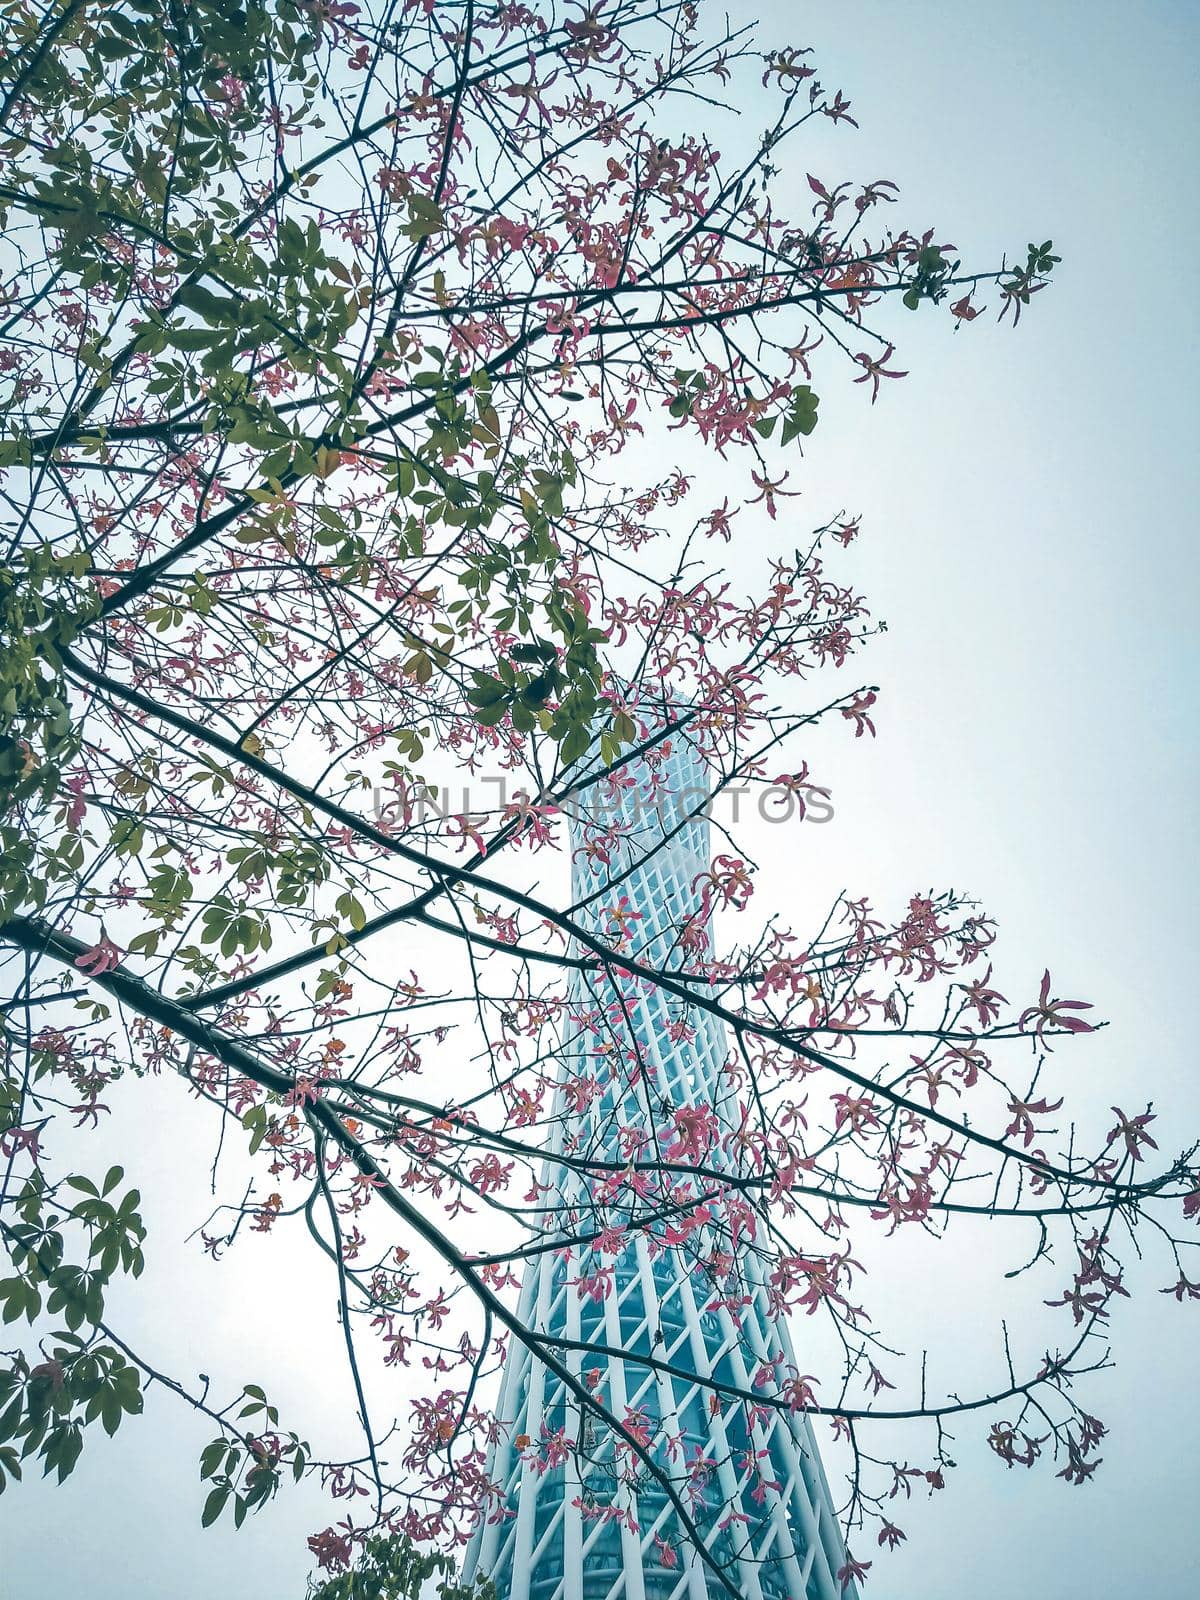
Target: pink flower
x=987, y=1002
x=858, y=712
x=667, y=1556
x=101, y=958
x=77, y=806
x=696, y=1130
x=873, y=370
x=769, y=491
x=851, y=1571
x=1133, y=1131
x=596, y=1286
x=797, y=1391
x=332, y=1549
x=1024, y=1112
x=637, y=1425
x=1050, y=1013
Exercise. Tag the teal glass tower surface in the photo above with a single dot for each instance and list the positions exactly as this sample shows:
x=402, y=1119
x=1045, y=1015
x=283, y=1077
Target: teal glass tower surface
x=579, y=1516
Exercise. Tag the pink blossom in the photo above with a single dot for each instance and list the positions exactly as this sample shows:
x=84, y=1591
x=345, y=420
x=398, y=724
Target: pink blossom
x=696, y=1131
x=1050, y=1013
x=101, y=958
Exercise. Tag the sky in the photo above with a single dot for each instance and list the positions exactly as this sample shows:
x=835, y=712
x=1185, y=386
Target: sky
x=1029, y=535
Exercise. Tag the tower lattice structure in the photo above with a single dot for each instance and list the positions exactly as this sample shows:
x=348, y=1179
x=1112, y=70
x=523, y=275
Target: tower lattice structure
x=581, y=1518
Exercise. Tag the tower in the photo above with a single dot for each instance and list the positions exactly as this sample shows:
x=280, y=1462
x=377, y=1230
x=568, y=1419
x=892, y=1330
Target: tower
x=581, y=1517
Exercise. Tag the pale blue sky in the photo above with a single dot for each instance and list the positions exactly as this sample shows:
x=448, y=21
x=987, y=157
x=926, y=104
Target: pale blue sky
x=1028, y=503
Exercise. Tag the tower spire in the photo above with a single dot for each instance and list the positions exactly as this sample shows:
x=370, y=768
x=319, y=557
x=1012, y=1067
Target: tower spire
x=665, y=1314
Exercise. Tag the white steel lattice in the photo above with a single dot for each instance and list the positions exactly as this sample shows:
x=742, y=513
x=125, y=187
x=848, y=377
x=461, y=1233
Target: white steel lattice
x=578, y=1518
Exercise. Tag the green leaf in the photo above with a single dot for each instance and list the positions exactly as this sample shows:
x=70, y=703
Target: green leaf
x=214, y=1505
x=351, y=908
x=424, y=217
x=208, y=305
x=255, y=1123
x=575, y=743
x=801, y=415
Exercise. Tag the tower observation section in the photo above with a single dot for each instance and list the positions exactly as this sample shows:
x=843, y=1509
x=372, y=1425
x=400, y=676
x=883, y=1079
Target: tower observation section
x=580, y=1516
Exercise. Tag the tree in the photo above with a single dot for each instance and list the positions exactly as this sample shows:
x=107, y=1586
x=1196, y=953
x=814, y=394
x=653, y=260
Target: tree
x=391, y=1568
x=344, y=348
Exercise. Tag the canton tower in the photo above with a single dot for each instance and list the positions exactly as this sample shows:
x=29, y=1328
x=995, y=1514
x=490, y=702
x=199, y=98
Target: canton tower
x=580, y=1517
